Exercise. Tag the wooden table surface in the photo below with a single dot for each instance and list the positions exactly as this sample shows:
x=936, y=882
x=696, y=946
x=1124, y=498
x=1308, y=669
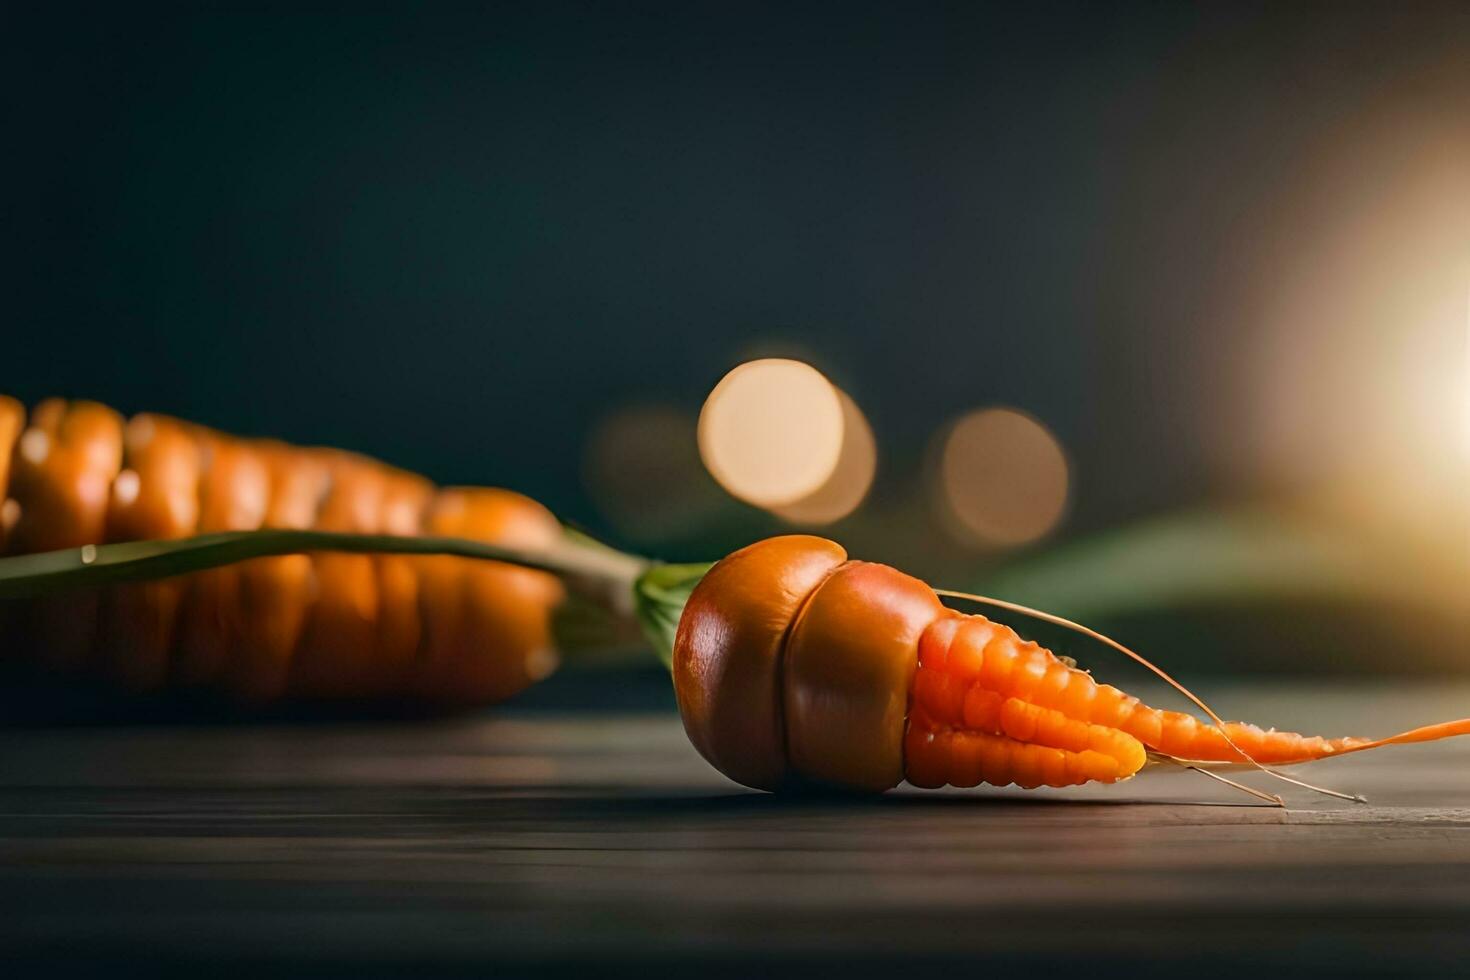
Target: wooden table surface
x=534, y=840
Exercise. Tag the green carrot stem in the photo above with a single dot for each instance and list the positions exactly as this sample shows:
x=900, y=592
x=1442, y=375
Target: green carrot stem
x=91, y=566
x=659, y=596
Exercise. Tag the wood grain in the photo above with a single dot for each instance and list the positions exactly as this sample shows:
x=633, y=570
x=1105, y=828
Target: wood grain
x=551, y=842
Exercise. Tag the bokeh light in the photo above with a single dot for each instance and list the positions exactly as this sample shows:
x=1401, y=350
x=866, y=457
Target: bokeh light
x=844, y=490
x=771, y=431
x=1003, y=477
x=776, y=433
x=642, y=469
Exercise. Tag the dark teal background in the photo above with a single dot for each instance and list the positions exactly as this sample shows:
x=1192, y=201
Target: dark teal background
x=456, y=239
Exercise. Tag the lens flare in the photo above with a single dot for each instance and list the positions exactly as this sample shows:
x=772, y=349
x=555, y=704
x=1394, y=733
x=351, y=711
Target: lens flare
x=1465, y=382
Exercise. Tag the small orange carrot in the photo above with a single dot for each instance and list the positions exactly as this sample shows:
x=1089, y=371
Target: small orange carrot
x=793, y=664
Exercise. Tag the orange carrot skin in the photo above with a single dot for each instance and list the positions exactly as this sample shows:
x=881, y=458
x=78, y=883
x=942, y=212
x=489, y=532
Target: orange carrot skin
x=766, y=694
x=864, y=664
x=846, y=703
x=444, y=631
x=729, y=648
x=160, y=501
x=989, y=707
x=64, y=464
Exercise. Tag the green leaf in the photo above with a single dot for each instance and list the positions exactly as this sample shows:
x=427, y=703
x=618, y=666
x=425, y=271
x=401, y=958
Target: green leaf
x=1188, y=558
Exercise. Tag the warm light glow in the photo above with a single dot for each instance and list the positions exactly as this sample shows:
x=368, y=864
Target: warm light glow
x=1003, y=477
x=857, y=462
x=1358, y=381
x=772, y=432
x=1465, y=381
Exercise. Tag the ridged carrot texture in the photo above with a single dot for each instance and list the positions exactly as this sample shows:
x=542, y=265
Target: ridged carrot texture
x=794, y=665
x=441, y=630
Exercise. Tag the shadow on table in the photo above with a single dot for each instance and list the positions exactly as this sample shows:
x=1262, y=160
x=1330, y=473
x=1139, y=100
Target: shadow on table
x=616, y=801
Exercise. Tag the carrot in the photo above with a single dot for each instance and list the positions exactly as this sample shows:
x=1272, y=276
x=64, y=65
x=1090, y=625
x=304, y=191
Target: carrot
x=442, y=630
x=795, y=665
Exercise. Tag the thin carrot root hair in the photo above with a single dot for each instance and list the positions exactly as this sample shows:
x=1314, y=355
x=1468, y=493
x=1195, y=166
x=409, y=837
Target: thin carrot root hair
x=1204, y=769
x=1428, y=733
